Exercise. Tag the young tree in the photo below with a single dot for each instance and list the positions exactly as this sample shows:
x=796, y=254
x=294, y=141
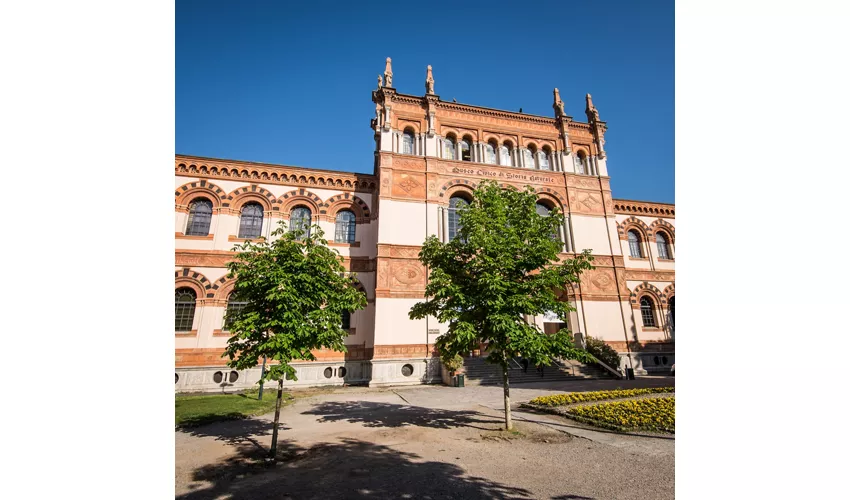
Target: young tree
x=502, y=267
x=296, y=292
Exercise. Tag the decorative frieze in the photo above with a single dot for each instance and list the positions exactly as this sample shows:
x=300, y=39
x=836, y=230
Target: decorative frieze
x=632, y=207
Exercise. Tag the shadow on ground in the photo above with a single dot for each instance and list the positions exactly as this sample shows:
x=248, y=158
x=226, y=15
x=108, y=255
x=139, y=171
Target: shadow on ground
x=372, y=414
x=350, y=469
x=237, y=432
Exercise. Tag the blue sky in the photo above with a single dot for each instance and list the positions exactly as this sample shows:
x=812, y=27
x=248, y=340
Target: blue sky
x=290, y=82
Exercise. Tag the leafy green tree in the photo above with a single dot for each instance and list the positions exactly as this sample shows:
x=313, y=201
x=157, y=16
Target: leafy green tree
x=296, y=292
x=502, y=266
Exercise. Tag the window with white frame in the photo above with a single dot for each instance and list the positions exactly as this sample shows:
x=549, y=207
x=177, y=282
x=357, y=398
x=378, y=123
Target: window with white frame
x=505, y=156
x=449, y=148
x=251, y=220
x=407, y=142
x=647, y=312
x=200, y=215
x=663, y=249
x=489, y=153
x=456, y=205
x=345, y=226
x=634, y=245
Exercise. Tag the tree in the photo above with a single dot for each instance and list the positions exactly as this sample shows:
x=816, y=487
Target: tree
x=502, y=266
x=296, y=292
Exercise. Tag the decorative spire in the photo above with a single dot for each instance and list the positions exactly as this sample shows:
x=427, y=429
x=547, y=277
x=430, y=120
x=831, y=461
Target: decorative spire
x=388, y=73
x=429, y=82
x=558, y=104
x=590, y=110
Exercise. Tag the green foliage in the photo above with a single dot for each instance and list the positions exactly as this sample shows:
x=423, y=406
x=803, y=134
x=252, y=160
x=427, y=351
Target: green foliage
x=296, y=291
x=603, y=352
x=452, y=363
x=192, y=410
x=582, y=397
x=504, y=264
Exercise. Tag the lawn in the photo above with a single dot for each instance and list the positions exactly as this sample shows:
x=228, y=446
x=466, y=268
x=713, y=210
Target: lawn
x=191, y=410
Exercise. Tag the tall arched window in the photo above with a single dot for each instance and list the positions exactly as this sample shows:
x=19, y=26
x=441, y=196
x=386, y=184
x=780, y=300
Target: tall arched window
x=545, y=211
x=234, y=305
x=634, y=245
x=200, y=214
x=456, y=204
x=663, y=250
x=184, y=309
x=529, y=158
x=251, y=220
x=647, y=311
x=543, y=159
x=345, y=227
x=407, y=141
x=346, y=320
x=581, y=162
x=299, y=221
x=449, y=148
x=505, y=155
x=465, y=151
x=490, y=153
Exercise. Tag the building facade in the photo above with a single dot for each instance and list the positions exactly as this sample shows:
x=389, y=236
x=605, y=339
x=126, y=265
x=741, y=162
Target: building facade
x=429, y=156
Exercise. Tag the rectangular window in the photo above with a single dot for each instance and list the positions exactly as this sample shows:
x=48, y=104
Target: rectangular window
x=634, y=249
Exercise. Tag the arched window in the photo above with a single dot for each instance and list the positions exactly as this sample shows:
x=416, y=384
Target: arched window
x=505, y=155
x=346, y=320
x=251, y=220
x=299, y=221
x=184, y=309
x=456, y=204
x=449, y=148
x=581, y=162
x=490, y=153
x=234, y=305
x=634, y=245
x=647, y=311
x=545, y=211
x=529, y=158
x=465, y=151
x=345, y=226
x=200, y=214
x=407, y=142
x=663, y=250
x=543, y=159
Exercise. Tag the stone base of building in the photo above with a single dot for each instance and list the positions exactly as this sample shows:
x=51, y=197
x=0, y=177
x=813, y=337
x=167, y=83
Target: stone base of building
x=374, y=373
x=655, y=358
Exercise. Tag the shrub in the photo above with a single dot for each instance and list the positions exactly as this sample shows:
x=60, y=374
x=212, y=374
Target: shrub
x=452, y=363
x=603, y=352
x=652, y=414
x=581, y=397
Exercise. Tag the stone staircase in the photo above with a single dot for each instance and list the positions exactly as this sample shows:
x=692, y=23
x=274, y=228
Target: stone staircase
x=479, y=372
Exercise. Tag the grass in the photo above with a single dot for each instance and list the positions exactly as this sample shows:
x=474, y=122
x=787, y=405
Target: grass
x=192, y=410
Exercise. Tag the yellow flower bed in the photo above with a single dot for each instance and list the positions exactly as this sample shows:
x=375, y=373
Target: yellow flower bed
x=583, y=397
x=652, y=414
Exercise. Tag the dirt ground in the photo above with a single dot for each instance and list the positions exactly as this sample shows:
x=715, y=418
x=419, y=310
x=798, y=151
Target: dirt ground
x=424, y=442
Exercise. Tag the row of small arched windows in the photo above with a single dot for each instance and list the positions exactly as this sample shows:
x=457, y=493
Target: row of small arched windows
x=494, y=153
x=251, y=221
x=636, y=249
x=184, y=310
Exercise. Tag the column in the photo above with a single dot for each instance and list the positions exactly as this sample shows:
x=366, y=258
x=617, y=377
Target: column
x=445, y=217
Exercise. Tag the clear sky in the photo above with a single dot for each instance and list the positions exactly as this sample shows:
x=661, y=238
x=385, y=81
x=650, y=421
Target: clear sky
x=290, y=82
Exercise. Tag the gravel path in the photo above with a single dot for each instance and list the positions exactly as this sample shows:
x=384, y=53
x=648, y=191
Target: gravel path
x=423, y=442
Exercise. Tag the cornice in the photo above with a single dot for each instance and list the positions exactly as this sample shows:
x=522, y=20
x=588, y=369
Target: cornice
x=645, y=208
x=216, y=168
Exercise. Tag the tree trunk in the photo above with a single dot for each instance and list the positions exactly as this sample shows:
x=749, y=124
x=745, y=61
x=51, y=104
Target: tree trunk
x=508, y=423
x=273, y=452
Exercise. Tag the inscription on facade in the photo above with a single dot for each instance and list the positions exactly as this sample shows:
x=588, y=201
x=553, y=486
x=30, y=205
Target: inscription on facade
x=496, y=174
